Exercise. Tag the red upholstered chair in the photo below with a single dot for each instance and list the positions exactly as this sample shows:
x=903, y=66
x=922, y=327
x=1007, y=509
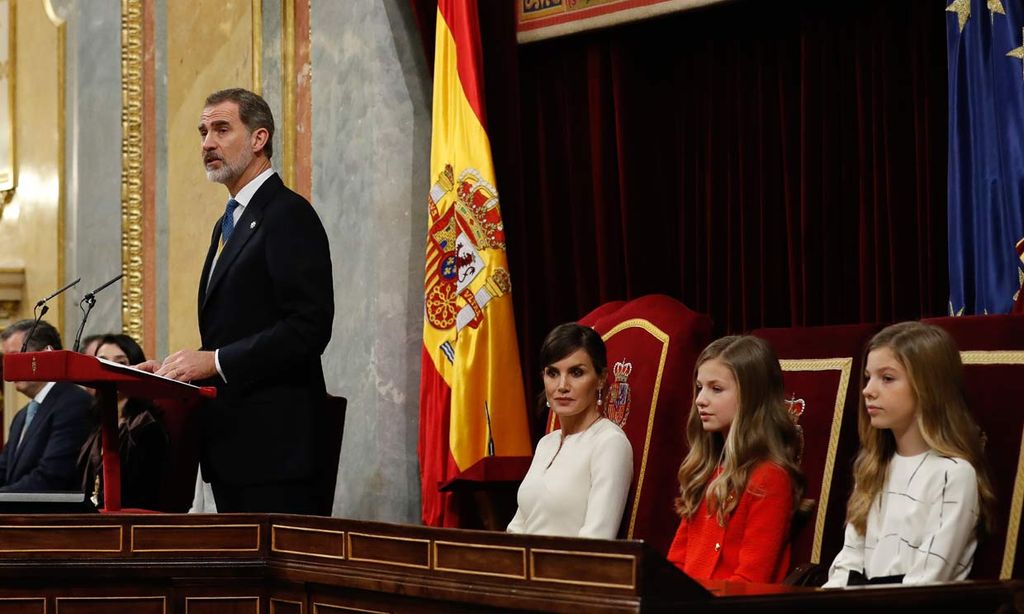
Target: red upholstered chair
x=992, y=349
x=821, y=368
x=653, y=342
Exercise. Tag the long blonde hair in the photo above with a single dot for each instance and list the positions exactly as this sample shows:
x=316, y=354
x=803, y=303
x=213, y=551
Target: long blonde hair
x=936, y=377
x=761, y=431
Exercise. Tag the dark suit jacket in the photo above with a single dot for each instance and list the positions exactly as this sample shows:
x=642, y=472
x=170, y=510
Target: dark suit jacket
x=268, y=308
x=143, y=444
x=46, y=459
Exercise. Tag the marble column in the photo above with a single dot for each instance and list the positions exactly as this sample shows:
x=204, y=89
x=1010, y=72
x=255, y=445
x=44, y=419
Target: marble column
x=371, y=145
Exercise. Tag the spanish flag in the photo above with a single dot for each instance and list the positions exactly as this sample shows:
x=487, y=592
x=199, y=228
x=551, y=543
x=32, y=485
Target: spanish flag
x=471, y=389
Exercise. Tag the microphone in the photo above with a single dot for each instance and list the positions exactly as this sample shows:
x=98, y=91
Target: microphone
x=92, y=295
x=42, y=312
x=86, y=304
x=70, y=285
x=490, y=437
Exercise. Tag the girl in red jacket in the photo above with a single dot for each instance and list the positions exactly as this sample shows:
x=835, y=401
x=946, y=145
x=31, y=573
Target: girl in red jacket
x=740, y=482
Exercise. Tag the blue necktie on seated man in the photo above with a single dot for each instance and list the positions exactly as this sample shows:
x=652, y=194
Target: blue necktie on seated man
x=227, y=223
x=30, y=413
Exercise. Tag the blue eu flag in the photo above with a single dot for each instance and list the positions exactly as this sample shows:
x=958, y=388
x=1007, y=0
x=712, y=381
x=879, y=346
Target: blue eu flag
x=986, y=154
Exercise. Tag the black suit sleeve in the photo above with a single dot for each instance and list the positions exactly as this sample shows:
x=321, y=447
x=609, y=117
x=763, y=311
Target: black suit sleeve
x=68, y=429
x=6, y=455
x=299, y=264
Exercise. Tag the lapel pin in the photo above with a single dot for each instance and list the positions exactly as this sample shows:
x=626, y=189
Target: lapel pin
x=252, y=225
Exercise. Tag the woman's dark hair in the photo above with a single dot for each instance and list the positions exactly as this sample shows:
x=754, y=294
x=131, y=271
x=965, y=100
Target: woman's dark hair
x=565, y=339
x=569, y=337
x=135, y=356
x=128, y=345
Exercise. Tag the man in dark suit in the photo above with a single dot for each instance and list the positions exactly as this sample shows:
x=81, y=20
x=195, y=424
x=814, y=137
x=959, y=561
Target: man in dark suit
x=266, y=306
x=47, y=434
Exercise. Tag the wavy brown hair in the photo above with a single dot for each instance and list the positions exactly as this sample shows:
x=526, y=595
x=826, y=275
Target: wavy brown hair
x=936, y=377
x=761, y=431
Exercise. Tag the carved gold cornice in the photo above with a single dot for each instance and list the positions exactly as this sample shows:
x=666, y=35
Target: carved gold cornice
x=131, y=169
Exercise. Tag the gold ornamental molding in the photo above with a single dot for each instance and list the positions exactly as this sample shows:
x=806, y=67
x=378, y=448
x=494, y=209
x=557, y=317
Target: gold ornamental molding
x=257, y=46
x=844, y=365
x=131, y=169
x=288, y=90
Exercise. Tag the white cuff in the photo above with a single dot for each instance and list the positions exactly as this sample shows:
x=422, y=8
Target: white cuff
x=216, y=363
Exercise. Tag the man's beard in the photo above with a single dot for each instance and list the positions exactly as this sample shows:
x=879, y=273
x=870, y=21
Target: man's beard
x=229, y=169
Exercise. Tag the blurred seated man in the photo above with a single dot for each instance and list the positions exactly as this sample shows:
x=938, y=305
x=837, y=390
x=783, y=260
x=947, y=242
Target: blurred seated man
x=47, y=434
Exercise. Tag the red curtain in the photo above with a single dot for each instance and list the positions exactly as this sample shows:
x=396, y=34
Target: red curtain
x=770, y=164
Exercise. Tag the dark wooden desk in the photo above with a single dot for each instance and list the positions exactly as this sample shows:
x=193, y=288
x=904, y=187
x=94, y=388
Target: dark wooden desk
x=277, y=564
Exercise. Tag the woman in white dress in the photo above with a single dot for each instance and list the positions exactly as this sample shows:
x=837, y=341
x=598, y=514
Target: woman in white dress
x=580, y=475
x=921, y=488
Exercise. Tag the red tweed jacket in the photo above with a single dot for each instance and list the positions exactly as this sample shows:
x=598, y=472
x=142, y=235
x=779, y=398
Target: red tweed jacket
x=753, y=546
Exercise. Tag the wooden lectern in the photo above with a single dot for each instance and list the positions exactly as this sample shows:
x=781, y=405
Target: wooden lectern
x=108, y=379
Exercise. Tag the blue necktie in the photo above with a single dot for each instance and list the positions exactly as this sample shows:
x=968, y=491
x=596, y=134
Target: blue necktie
x=30, y=413
x=227, y=223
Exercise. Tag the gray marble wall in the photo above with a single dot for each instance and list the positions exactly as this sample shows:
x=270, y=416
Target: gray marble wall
x=371, y=148
x=92, y=249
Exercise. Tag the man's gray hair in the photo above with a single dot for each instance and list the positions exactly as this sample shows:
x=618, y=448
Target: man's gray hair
x=252, y=110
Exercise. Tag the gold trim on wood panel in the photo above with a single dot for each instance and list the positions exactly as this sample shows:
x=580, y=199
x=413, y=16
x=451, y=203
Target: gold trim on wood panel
x=9, y=599
x=344, y=608
x=274, y=548
x=521, y=550
x=163, y=600
x=120, y=537
x=131, y=169
x=233, y=597
x=196, y=526
x=351, y=557
x=273, y=600
x=594, y=555
x=661, y=336
x=844, y=365
x=288, y=84
x=257, y=46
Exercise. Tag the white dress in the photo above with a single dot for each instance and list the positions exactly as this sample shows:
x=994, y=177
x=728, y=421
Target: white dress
x=922, y=524
x=583, y=492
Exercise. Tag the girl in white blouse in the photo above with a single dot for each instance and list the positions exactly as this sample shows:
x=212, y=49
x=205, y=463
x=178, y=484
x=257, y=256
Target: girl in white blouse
x=921, y=488
x=580, y=474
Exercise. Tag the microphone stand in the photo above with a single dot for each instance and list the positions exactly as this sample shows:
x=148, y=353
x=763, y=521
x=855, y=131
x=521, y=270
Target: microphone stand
x=89, y=300
x=42, y=312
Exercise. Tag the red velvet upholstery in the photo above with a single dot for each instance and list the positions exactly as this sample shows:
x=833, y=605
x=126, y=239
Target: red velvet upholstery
x=660, y=338
x=992, y=349
x=822, y=366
